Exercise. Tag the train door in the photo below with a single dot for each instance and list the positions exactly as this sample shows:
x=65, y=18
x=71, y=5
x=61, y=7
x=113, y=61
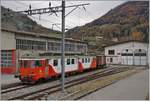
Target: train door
x=46, y=68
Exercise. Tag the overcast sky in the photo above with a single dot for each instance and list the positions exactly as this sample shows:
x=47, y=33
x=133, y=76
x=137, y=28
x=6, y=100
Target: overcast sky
x=77, y=18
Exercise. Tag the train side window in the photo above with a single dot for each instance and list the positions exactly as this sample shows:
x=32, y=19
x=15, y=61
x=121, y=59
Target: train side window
x=72, y=61
x=68, y=61
x=55, y=62
x=88, y=59
x=82, y=60
x=85, y=60
x=38, y=63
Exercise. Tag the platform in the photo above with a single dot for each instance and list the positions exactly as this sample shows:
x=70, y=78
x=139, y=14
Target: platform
x=7, y=79
x=135, y=87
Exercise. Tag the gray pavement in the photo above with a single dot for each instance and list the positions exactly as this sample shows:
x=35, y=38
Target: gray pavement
x=135, y=87
x=8, y=79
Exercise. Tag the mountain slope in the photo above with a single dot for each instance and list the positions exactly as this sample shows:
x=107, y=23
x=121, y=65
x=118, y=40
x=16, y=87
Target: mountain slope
x=22, y=22
x=128, y=21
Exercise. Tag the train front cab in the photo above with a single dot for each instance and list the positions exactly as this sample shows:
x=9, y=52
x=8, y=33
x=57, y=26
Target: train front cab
x=31, y=70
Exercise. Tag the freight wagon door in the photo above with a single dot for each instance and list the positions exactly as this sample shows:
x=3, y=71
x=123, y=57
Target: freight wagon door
x=99, y=60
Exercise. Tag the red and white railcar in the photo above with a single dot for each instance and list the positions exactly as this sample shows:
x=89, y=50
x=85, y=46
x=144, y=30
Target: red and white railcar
x=32, y=70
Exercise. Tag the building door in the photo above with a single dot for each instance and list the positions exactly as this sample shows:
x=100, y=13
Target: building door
x=8, y=61
x=140, y=57
x=127, y=57
x=46, y=68
x=111, y=60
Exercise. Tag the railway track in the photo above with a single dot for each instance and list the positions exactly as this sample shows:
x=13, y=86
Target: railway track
x=14, y=88
x=78, y=82
x=6, y=86
x=56, y=88
x=20, y=85
x=36, y=94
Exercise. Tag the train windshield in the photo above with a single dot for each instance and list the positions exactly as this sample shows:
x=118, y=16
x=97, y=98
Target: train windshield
x=30, y=63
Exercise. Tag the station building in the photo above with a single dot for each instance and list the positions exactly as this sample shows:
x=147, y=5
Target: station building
x=127, y=53
x=19, y=44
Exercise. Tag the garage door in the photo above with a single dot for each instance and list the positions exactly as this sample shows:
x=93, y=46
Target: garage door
x=127, y=59
x=139, y=57
x=143, y=60
x=137, y=60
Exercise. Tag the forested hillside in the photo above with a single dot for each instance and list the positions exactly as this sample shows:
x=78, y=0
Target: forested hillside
x=128, y=21
x=18, y=21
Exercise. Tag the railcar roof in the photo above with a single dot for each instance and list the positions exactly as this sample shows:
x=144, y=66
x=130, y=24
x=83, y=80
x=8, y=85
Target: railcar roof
x=51, y=57
x=31, y=59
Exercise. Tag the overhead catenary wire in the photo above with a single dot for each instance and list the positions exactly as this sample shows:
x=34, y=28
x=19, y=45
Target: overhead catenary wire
x=42, y=19
x=58, y=25
x=78, y=16
x=71, y=22
x=45, y=20
x=70, y=25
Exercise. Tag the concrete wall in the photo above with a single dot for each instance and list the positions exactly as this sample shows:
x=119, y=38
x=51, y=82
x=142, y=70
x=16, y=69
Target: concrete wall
x=8, y=41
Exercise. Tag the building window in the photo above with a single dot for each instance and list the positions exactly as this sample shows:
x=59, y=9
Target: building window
x=127, y=54
x=81, y=48
x=111, y=52
x=69, y=47
x=30, y=44
x=52, y=46
x=85, y=60
x=72, y=61
x=140, y=54
x=108, y=60
x=55, y=63
x=6, y=58
x=68, y=61
x=111, y=59
x=88, y=59
x=82, y=60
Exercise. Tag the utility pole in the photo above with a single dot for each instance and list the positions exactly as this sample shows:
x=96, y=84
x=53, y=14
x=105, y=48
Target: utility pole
x=63, y=48
x=54, y=10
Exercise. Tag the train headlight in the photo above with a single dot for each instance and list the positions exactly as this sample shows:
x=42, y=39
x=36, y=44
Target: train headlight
x=40, y=71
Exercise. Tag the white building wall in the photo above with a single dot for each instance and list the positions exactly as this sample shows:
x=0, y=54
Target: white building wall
x=121, y=48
